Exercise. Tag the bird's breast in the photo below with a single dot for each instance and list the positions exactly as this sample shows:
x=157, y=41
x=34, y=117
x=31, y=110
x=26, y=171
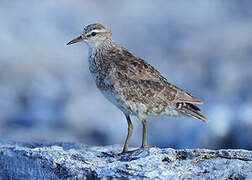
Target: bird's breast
x=98, y=74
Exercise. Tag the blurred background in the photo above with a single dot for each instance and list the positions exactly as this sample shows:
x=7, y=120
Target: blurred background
x=204, y=47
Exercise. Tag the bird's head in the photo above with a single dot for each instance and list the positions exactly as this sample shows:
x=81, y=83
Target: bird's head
x=94, y=35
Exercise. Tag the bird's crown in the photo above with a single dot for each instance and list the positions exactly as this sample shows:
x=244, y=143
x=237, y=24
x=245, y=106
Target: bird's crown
x=95, y=29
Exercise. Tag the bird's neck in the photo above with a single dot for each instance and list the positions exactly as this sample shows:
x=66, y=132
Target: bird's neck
x=100, y=46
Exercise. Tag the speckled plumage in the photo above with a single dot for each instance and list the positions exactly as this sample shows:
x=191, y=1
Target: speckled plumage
x=134, y=82
x=130, y=83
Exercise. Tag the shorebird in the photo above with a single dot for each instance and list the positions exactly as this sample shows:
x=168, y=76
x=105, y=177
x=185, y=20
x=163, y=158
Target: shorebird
x=132, y=84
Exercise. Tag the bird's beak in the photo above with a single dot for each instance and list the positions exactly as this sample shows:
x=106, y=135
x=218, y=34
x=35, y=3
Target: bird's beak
x=78, y=39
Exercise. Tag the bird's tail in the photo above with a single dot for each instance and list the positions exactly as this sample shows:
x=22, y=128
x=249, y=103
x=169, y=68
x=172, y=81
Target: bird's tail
x=190, y=110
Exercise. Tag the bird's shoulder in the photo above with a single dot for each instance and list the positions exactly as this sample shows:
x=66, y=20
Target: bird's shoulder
x=134, y=67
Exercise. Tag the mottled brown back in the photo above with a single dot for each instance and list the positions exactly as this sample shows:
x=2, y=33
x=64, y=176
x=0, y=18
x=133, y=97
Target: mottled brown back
x=141, y=82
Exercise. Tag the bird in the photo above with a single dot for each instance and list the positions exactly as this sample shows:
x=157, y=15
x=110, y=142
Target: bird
x=132, y=84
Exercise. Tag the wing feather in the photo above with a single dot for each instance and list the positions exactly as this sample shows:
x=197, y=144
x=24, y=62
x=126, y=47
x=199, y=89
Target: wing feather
x=145, y=81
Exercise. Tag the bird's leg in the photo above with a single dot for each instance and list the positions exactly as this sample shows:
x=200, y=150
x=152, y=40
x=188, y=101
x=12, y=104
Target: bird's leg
x=130, y=130
x=144, y=137
x=144, y=141
x=126, y=144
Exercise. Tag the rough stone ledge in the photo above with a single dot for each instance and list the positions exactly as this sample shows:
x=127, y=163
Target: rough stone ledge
x=76, y=161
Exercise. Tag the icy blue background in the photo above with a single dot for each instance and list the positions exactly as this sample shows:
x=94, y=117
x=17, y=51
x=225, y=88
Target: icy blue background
x=204, y=47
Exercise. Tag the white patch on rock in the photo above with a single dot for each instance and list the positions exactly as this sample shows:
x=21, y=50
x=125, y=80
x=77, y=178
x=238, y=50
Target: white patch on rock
x=76, y=161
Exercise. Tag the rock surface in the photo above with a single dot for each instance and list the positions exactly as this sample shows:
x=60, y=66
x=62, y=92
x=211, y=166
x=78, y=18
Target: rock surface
x=76, y=161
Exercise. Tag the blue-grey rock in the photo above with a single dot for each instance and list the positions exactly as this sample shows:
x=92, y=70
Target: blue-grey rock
x=76, y=161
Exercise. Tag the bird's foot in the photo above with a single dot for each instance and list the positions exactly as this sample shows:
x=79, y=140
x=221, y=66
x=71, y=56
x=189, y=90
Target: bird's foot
x=128, y=155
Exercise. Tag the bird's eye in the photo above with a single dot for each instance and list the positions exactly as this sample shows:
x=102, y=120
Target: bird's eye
x=93, y=33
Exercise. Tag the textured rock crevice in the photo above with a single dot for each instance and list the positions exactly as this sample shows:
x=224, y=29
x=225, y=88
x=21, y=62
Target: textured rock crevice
x=76, y=161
